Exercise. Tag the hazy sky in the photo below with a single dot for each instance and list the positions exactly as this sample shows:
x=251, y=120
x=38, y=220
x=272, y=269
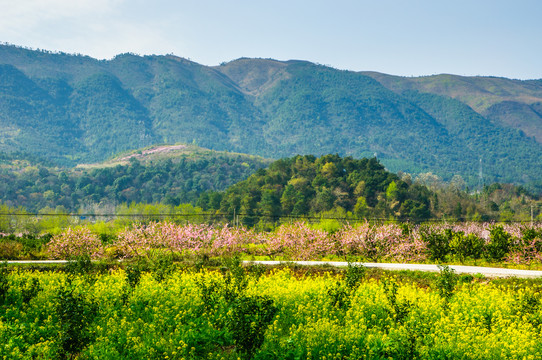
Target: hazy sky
x=401, y=37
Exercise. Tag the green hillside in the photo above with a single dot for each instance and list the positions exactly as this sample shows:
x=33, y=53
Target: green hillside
x=306, y=185
x=72, y=109
x=167, y=174
x=506, y=102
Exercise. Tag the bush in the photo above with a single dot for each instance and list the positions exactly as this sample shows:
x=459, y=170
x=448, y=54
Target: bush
x=10, y=249
x=161, y=265
x=399, y=310
x=354, y=275
x=249, y=319
x=341, y=293
x=446, y=282
x=499, y=244
x=73, y=243
x=4, y=283
x=133, y=272
x=30, y=290
x=80, y=265
x=438, y=242
x=75, y=313
x=466, y=246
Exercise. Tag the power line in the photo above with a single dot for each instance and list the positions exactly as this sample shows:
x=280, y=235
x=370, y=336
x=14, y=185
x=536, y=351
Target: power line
x=242, y=215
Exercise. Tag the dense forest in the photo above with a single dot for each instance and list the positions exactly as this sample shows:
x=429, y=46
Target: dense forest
x=305, y=185
x=206, y=186
x=168, y=180
x=73, y=109
x=334, y=187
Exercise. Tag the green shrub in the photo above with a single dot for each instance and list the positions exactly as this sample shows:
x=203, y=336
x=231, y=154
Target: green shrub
x=235, y=278
x=354, y=274
x=79, y=265
x=133, y=272
x=446, y=282
x=30, y=290
x=438, y=243
x=339, y=296
x=531, y=238
x=499, y=244
x=10, y=249
x=249, y=319
x=466, y=246
x=4, y=283
x=340, y=293
x=75, y=313
x=399, y=310
x=161, y=266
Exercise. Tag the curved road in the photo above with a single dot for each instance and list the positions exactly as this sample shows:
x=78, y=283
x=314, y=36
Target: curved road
x=460, y=269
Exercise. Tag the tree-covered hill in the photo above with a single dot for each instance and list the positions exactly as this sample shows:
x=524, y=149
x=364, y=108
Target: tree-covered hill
x=72, y=109
x=166, y=174
x=306, y=185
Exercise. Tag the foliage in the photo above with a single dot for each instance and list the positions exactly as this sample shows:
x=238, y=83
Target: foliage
x=466, y=246
x=30, y=289
x=133, y=272
x=75, y=243
x=499, y=243
x=250, y=317
x=75, y=313
x=172, y=179
x=446, y=283
x=4, y=283
x=79, y=265
x=354, y=275
x=73, y=109
x=341, y=292
x=438, y=243
x=306, y=185
x=285, y=314
x=399, y=309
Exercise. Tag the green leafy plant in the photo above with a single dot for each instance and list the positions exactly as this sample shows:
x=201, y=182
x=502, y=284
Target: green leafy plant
x=340, y=293
x=438, y=243
x=446, y=282
x=250, y=317
x=4, y=282
x=466, y=246
x=354, y=274
x=400, y=309
x=499, y=243
x=75, y=312
x=30, y=289
x=133, y=272
x=161, y=266
x=338, y=296
x=79, y=265
x=235, y=278
x=210, y=291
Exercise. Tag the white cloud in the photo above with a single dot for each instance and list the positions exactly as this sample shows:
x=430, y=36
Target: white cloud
x=31, y=13
x=54, y=24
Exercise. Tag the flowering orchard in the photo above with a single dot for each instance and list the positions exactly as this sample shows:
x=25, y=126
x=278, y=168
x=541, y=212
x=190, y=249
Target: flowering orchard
x=515, y=243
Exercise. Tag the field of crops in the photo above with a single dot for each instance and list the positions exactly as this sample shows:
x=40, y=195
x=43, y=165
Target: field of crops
x=164, y=312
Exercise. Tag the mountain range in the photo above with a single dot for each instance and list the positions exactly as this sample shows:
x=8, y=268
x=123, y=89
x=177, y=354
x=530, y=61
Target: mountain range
x=73, y=109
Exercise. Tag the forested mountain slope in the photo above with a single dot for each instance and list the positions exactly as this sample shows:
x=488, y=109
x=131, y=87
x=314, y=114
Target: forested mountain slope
x=167, y=174
x=73, y=109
